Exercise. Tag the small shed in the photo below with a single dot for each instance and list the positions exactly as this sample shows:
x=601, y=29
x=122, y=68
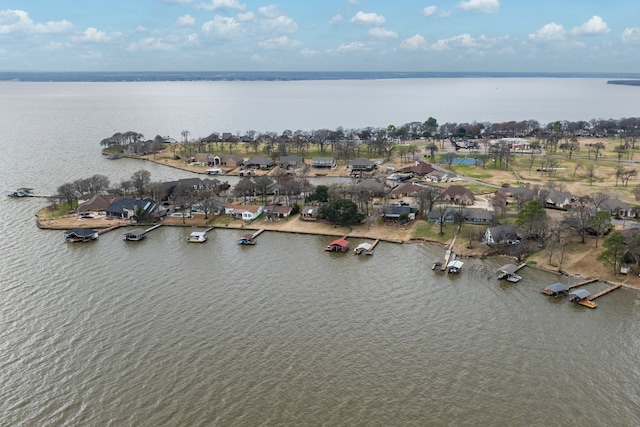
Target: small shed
x=578, y=295
x=555, y=290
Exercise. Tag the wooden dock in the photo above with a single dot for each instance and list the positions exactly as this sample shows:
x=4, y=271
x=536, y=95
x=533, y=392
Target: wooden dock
x=589, y=301
x=586, y=282
x=257, y=233
x=152, y=228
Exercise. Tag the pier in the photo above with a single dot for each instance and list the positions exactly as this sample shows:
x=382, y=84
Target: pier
x=586, y=282
x=449, y=255
x=256, y=234
x=589, y=301
x=366, y=248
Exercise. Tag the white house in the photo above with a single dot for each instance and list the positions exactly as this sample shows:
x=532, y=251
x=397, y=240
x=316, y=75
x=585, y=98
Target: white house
x=244, y=212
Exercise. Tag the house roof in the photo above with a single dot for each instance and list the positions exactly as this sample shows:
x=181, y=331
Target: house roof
x=322, y=160
x=261, y=161
x=291, y=160
x=372, y=185
x=407, y=188
x=503, y=232
x=281, y=209
x=361, y=162
x=477, y=213
x=615, y=204
x=421, y=168
x=455, y=191
x=120, y=205
x=309, y=210
x=135, y=232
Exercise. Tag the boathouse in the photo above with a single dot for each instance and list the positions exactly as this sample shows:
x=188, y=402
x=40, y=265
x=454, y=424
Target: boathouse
x=555, y=290
x=135, y=235
x=578, y=295
x=80, y=235
x=338, y=245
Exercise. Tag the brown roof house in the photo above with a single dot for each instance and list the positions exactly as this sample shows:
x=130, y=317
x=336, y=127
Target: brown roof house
x=277, y=211
x=420, y=168
x=459, y=195
x=408, y=189
x=361, y=164
x=95, y=204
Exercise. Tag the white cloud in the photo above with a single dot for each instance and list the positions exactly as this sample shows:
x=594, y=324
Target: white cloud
x=282, y=42
x=430, y=10
x=54, y=27
x=335, y=19
x=176, y=1
x=382, y=33
x=353, y=2
x=551, y=31
x=309, y=53
x=12, y=21
x=221, y=25
x=92, y=35
x=53, y=46
x=595, y=25
x=416, y=42
x=141, y=29
x=273, y=21
x=631, y=35
x=245, y=16
x=480, y=6
x=221, y=4
x=186, y=21
x=351, y=47
x=149, y=44
x=368, y=18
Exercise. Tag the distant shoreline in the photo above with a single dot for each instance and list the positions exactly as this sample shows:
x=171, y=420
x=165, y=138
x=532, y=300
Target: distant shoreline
x=186, y=76
x=624, y=82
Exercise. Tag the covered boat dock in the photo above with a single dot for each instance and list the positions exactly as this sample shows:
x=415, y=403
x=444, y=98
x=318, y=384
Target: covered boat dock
x=555, y=290
x=338, y=245
x=508, y=272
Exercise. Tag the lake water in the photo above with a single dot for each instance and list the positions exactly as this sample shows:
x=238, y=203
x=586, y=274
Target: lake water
x=161, y=332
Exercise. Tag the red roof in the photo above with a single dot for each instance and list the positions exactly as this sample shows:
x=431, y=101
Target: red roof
x=340, y=242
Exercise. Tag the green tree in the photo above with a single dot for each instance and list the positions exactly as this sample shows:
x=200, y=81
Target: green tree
x=341, y=212
x=320, y=195
x=600, y=224
x=614, y=250
x=532, y=219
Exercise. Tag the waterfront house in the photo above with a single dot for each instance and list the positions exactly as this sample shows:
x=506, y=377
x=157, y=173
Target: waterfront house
x=291, y=161
x=372, y=187
x=229, y=160
x=500, y=234
x=477, y=216
x=309, y=213
x=277, y=211
x=394, y=212
x=361, y=164
x=244, y=212
x=95, y=204
x=127, y=208
x=323, y=163
x=259, y=163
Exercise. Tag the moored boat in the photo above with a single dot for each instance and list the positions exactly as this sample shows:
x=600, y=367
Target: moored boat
x=246, y=239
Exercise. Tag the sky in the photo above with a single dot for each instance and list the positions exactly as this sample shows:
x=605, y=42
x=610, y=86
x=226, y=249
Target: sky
x=320, y=35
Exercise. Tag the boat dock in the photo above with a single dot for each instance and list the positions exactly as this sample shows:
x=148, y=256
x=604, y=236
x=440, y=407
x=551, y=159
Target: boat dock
x=508, y=272
x=257, y=233
x=449, y=255
x=589, y=301
x=586, y=282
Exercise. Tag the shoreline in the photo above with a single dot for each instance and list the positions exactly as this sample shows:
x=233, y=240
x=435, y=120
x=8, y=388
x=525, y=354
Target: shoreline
x=296, y=226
